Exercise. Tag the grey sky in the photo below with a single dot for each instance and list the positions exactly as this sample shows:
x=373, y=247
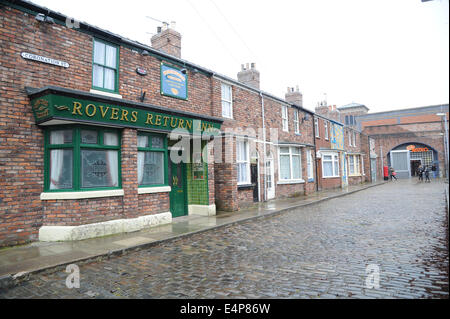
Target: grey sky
x=385, y=54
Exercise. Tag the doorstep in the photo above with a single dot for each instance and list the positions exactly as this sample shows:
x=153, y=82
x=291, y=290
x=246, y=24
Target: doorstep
x=19, y=263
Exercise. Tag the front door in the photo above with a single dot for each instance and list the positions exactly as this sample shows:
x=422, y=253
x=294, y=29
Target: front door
x=270, y=179
x=254, y=180
x=178, y=205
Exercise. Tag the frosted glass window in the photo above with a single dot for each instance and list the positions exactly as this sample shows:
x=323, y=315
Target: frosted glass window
x=151, y=168
x=99, y=168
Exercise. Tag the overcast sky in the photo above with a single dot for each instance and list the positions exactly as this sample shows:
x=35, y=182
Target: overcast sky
x=386, y=54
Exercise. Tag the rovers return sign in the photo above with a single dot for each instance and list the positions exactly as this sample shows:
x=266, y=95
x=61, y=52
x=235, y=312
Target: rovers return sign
x=51, y=106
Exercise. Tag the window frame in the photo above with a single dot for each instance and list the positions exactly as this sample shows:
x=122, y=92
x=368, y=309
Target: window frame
x=291, y=155
x=334, y=160
x=247, y=162
x=76, y=146
x=224, y=100
x=316, y=127
x=325, y=125
x=116, y=80
x=296, y=122
x=285, y=120
x=150, y=148
x=310, y=165
x=356, y=165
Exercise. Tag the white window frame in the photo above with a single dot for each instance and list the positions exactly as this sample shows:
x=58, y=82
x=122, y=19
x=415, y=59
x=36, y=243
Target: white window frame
x=310, y=165
x=247, y=162
x=291, y=155
x=349, y=138
x=296, y=122
x=334, y=161
x=227, y=102
x=354, y=138
x=285, y=118
x=325, y=125
x=356, y=165
x=316, y=127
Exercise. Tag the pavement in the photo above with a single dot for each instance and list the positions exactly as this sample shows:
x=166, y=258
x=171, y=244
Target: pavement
x=18, y=264
x=385, y=242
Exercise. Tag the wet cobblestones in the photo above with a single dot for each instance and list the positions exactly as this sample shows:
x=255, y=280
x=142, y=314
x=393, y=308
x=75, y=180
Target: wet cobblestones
x=320, y=251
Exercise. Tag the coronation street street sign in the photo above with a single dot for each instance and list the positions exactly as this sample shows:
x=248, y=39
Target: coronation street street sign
x=34, y=57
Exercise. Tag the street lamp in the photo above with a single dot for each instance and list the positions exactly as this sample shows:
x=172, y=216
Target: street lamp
x=445, y=141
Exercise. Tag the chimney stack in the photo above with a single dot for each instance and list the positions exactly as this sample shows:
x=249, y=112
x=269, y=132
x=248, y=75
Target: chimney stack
x=294, y=96
x=249, y=75
x=167, y=40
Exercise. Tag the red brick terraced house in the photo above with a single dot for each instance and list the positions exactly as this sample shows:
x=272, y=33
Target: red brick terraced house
x=101, y=135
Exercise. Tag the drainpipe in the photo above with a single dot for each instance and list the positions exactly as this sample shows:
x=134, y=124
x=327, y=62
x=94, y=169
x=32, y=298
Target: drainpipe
x=264, y=145
x=315, y=152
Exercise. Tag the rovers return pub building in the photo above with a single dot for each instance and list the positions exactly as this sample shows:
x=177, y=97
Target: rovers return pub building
x=85, y=124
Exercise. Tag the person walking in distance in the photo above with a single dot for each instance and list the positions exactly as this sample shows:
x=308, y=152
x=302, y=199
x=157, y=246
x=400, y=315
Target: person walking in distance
x=392, y=173
x=420, y=173
x=427, y=174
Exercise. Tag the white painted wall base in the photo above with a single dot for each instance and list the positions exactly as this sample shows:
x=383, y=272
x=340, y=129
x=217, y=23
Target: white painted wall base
x=202, y=210
x=72, y=233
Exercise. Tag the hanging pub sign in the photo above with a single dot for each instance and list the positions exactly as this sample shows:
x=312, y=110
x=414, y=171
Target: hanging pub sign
x=173, y=82
x=141, y=71
x=34, y=57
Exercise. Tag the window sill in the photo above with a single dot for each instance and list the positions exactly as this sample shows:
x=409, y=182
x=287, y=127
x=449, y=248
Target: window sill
x=296, y=181
x=117, y=96
x=154, y=190
x=245, y=186
x=330, y=177
x=81, y=195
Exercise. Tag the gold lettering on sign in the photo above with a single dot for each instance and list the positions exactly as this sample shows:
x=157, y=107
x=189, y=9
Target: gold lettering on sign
x=158, y=120
x=166, y=118
x=149, y=119
x=104, y=112
x=172, y=124
x=189, y=124
x=124, y=116
x=77, y=108
x=114, y=113
x=181, y=121
x=134, y=115
x=89, y=106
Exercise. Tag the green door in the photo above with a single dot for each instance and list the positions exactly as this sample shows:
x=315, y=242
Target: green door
x=178, y=205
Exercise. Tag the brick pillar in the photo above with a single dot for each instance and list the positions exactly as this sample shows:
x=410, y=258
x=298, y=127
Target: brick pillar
x=225, y=178
x=129, y=173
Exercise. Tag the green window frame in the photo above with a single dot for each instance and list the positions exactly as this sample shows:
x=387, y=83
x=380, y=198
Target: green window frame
x=150, y=148
x=77, y=147
x=97, y=65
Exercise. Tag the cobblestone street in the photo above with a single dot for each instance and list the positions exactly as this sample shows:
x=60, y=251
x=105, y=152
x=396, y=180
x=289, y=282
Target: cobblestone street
x=320, y=251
